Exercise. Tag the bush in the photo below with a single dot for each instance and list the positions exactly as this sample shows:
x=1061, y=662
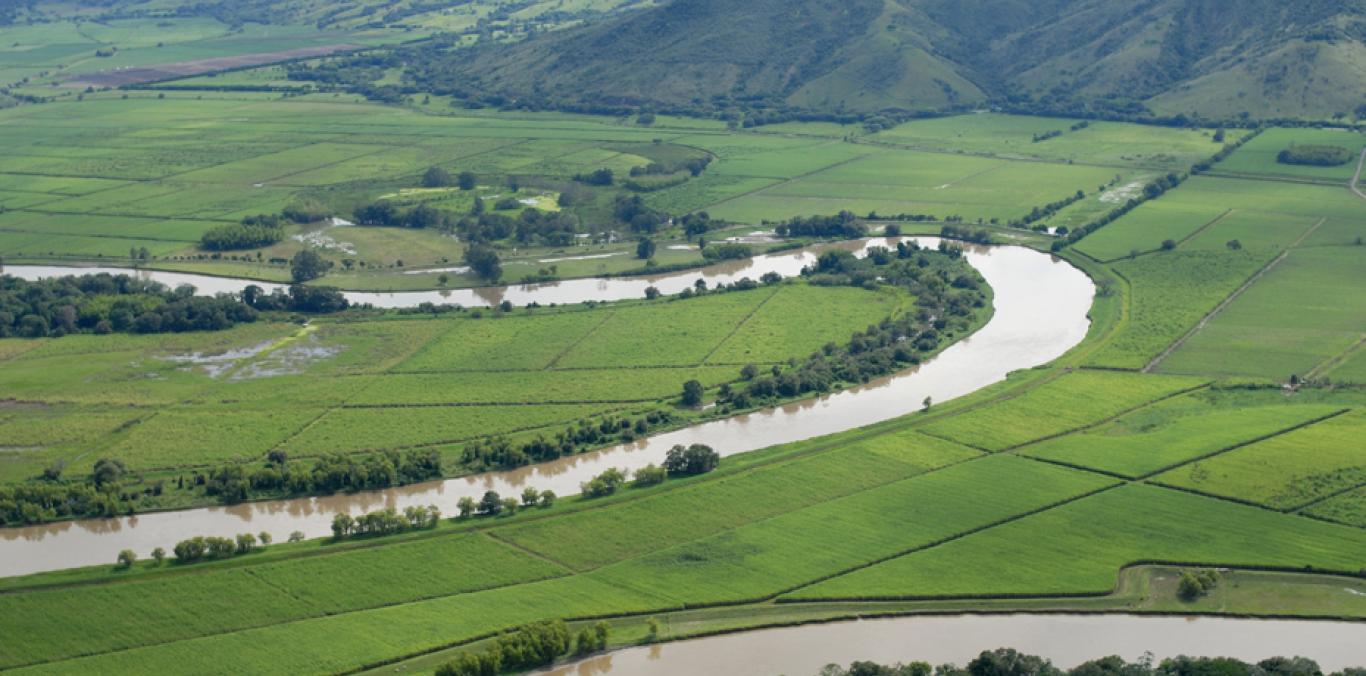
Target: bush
x=650, y=475
x=1315, y=156
x=695, y=459
x=262, y=231
x=603, y=484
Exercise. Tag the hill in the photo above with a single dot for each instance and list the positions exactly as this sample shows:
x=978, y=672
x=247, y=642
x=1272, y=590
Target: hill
x=1263, y=58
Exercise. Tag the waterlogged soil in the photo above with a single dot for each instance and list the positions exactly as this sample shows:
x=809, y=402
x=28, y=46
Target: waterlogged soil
x=1041, y=306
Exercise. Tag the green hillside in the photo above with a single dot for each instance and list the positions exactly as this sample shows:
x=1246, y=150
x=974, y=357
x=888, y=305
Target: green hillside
x=1163, y=57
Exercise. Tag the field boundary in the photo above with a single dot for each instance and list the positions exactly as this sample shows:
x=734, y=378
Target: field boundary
x=1204, y=321
x=1356, y=178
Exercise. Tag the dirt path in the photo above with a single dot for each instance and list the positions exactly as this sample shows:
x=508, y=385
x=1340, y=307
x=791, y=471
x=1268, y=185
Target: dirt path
x=1356, y=178
x=1232, y=297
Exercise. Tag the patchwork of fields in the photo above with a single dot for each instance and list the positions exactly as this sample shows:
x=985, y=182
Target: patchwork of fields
x=165, y=403
x=1175, y=433
x=105, y=178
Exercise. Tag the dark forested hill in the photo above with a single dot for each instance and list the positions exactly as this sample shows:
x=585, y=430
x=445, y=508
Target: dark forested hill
x=1265, y=58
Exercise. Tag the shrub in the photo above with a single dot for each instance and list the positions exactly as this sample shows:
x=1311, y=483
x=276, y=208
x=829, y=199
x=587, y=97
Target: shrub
x=1315, y=156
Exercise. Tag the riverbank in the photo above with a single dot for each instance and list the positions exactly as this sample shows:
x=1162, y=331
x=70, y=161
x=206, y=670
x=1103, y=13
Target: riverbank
x=773, y=637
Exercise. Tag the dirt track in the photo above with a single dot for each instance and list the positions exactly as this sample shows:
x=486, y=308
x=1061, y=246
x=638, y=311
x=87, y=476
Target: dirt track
x=171, y=71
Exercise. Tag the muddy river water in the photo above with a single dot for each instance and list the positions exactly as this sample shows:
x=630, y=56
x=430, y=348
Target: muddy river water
x=1067, y=640
x=1041, y=306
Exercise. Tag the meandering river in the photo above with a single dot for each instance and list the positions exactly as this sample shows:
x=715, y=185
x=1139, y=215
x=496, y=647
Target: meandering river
x=1041, y=306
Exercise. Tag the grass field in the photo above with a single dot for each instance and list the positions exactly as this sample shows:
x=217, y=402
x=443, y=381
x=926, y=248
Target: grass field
x=192, y=400
x=1298, y=316
x=1170, y=292
x=1284, y=472
x=1078, y=548
x=1177, y=431
x=1258, y=156
x=1047, y=484
x=1056, y=407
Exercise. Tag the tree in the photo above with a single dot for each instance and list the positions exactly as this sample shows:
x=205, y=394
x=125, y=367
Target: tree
x=107, y=471
x=692, y=393
x=929, y=401
x=510, y=506
x=645, y=248
x=126, y=558
x=307, y=265
x=484, y=262
x=467, y=180
x=466, y=506
x=436, y=177
x=159, y=555
x=650, y=475
x=491, y=504
x=1168, y=244
x=265, y=538
x=651, y=292
x=245, y=543
x=547, y=499
x=695, y=459
x=297, y=536
x=1234, y=245
x=342, y=525
x=530, y=496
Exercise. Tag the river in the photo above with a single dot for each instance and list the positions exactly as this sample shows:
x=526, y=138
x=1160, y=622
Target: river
x=1041, y=306
x=1067, y=640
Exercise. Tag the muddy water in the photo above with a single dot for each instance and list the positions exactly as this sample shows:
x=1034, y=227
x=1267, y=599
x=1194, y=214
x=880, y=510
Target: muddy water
x=1068, y=640
x=1041, y=312
x=786, y=264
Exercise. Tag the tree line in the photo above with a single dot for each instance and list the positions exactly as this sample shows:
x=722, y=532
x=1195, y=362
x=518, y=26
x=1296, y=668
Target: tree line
x=948, y=294
x=253, y=232
x=331, y=473
x=1009, y=662
x=105, y=303
x=498, y=453
x=529, y=646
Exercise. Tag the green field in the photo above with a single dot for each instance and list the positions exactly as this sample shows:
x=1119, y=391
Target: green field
x=194, y=400
x=1287, y=471
x=1078, y=548
x=1043, y=491
x=1258, y=156
x=1055, y=408
x=1176, y=431
x=1291, y=321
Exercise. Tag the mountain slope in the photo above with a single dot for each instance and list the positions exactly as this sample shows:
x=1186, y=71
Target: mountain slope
x=1202, y=57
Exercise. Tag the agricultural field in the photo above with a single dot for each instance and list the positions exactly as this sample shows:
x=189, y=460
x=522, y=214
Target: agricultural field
x=1285, y=472
x=1054, y=408
x=1258, y=156
x=1078, y=548
x=1098, y=143
x=95, y=181
x=1179, y=430
x=1300, y=315
x=163, y=403
x=1171, y=432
